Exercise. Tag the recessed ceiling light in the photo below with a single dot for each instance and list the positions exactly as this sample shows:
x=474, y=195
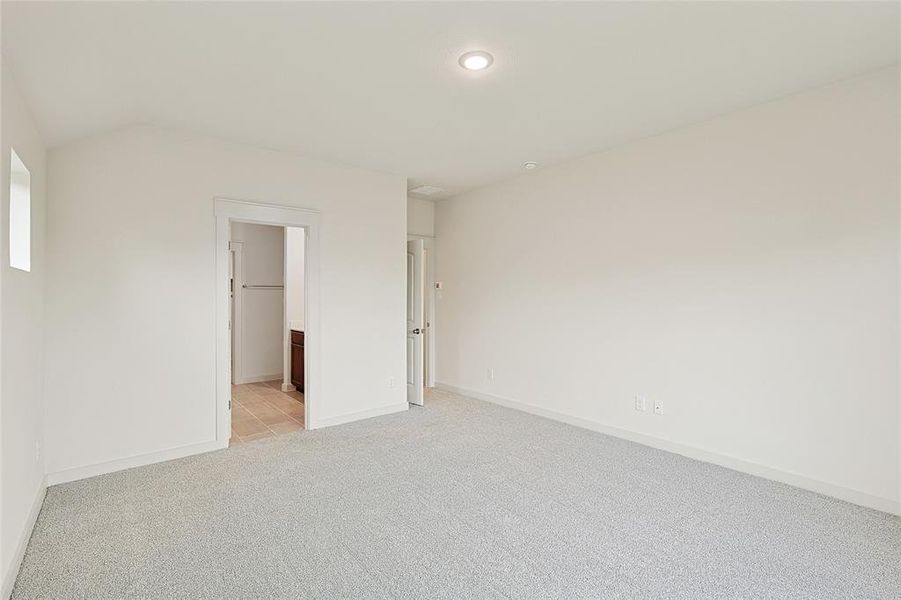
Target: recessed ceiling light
x=529, y=165
x=476, y=60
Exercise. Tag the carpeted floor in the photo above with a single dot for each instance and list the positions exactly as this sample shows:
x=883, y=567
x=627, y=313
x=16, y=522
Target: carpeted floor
x=460, y=499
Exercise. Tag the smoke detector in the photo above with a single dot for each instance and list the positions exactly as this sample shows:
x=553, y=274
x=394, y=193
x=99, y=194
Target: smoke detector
x=529, y=165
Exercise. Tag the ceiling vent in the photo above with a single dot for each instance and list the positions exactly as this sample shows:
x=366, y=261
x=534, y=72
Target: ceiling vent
x=426, y=190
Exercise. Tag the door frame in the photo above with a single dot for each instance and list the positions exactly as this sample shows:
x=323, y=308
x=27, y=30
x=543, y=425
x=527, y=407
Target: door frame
x=428, y=243
x=236, y=315
x=226, y=211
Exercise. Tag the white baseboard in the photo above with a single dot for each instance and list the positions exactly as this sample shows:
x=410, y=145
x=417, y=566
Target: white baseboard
x=9, y=577
x=258, y=378
x=363, y=414
x=139, y=460
x=814, y=485
x=287, y=387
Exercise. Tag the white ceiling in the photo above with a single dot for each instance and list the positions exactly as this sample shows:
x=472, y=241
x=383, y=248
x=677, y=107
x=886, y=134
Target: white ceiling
x=377, y=85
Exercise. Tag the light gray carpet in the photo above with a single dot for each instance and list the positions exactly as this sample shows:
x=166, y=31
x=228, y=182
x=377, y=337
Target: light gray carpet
x=461, y=499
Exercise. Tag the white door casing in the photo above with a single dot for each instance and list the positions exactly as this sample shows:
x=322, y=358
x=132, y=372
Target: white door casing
x=415, y=322
x=227, y=210
x=429, y=298
x=236, y=280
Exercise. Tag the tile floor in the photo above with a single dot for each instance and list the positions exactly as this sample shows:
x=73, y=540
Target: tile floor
x=262, y=410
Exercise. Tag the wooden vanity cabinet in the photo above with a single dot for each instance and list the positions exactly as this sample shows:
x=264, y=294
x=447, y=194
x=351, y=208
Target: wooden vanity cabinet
x=297, y=359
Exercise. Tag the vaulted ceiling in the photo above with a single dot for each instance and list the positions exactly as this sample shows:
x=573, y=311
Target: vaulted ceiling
x=377, y=85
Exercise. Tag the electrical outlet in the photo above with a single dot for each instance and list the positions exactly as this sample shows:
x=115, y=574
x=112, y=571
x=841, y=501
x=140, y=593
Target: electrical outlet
x=641, y=403
x=658, y=407
x=490, y=374
x=37, y=452
x=392, y=382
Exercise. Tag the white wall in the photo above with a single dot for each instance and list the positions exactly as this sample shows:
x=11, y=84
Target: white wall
x=21, y=355
x=420, y=216
x=263, y=310
x=744, y=271
x=295, y=290
x=131, y=286
x=294, y=276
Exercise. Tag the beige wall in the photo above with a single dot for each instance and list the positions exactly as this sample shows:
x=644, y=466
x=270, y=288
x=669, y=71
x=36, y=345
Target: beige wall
x=420, y=216
x=21, y=354
x=131, y=332
x=743, y=271
x=263, y=263
x=294, y=276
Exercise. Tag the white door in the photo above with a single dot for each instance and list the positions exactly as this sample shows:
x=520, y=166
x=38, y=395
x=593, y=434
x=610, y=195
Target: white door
x=414, y=321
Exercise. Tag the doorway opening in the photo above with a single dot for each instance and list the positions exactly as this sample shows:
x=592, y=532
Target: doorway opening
x=267, y=333
x=420, y=319
x=267, y=365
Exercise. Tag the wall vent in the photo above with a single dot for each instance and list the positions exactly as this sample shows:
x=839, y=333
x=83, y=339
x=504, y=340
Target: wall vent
x=426, y=190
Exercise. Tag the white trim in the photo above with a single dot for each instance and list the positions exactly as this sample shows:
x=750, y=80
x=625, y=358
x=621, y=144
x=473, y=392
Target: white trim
x=288, y=387
x=266, y=214
x=9, y=578
x=260, y=378
x=139, y=460
x=364, y=414
x=723, y=460
x=286, y=329
x=236, y=316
